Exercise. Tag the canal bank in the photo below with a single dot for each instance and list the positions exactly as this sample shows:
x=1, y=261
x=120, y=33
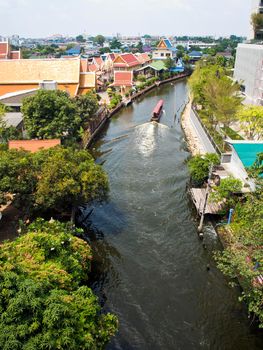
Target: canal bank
x=149, y=267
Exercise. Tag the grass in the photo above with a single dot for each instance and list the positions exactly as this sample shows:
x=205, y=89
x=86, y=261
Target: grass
x=232, y=134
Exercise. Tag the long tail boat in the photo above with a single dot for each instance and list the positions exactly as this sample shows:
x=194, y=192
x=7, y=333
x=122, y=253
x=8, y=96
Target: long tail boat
x=156, y=114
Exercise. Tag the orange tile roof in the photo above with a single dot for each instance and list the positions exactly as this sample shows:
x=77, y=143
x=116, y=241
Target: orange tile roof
x=84, y=65
x=33, y=145
x=36, y=70
x=122, y=78
x=143, y=58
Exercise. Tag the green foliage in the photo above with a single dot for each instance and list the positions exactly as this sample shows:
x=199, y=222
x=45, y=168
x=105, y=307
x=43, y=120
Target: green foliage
x=225, y=190
x=244, y=256
x=169, y=63
x=115, y=100
x=141, y=78
x=43, y=301
x=232, y=133
x=218, y=95
x=50, y=114
x=251, y=119
x=115, y=44
x=80, y=39
x=99, y=39
x=87, y=106
x=57, y=178
x=69, y=178
x=199, y=167
x=257, y=21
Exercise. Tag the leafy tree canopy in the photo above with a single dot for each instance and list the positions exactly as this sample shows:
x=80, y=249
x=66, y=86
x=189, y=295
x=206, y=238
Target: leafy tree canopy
x=169, y=63
x=251, y=118
x=50, y=114
x=199, y=167
x=43, y=301
x=58, y=178
x=100, y=39
x=80, y=39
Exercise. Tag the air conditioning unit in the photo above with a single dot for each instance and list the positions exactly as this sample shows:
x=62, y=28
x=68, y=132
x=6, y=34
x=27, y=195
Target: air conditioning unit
x=48, y=85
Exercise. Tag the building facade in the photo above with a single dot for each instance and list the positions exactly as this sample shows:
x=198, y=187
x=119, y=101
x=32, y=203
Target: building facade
x=249, y=72
x=164, y=50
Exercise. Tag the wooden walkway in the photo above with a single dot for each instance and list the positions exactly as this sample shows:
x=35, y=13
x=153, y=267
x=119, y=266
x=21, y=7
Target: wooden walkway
x=198, y=197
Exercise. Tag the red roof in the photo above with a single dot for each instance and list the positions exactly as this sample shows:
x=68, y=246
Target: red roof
x=15, y=55
x=33, y=145
x=158, y=107
x=98, y=61
x=122, y=78
x=129, y=60
x=3, y=48
x=92, y=68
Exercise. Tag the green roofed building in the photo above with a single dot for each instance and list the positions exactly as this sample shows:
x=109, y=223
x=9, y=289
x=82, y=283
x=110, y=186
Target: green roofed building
x=155, y=68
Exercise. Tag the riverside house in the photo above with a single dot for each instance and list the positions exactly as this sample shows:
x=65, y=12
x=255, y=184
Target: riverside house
x=164, y=50
x=70, y=75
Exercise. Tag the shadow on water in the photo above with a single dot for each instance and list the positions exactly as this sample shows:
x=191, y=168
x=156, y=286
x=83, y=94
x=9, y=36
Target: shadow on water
x=149, y=266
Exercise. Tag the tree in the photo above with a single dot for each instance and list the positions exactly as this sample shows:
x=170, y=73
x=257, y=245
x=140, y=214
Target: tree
x=169, y=63
x=99, y=39
x=139, y=46
x=199, y=167
x=80, y=39
x=222, y=98
x=87, y=106
x=257, y=22
x=68, y=179
x=243, y=255
x=50, y=114
x=44, y=302
x=59, y=179
x=225, y=191
x=251, y=119
x=115, y=44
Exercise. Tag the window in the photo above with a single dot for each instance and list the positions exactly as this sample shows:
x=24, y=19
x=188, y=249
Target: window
x=162, y=54
x=168, y=55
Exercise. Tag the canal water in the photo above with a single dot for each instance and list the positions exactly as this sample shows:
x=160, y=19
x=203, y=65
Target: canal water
x=149, y=266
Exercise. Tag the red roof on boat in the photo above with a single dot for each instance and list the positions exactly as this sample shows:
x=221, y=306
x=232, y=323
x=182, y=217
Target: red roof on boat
x=158, y=107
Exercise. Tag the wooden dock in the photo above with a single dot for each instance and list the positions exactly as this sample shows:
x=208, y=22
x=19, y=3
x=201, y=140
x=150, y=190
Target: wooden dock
x=198, y=196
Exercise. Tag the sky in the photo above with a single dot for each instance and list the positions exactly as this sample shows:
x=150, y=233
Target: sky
x=42, y=18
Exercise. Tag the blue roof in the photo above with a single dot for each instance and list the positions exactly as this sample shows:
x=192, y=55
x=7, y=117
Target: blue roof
x=168, y=43
x=74, y=51
x=195, y=54
x=247, y=152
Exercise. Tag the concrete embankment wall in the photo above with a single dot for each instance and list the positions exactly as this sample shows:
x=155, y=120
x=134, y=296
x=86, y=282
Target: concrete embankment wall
x=202, y=134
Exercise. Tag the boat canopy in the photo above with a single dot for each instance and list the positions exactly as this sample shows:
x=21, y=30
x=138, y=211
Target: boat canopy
x=158, y=107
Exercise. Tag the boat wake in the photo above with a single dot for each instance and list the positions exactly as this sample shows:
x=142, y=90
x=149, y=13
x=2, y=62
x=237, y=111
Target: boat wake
x=152, y=123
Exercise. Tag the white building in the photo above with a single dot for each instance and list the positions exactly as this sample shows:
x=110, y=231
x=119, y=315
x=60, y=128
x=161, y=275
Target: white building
x=164, y=50
x=249, y=72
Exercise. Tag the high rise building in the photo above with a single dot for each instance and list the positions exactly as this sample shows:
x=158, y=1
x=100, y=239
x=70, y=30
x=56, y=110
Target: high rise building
x=249, y=60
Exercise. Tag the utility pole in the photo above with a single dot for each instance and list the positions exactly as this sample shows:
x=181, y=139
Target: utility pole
x=200, y=227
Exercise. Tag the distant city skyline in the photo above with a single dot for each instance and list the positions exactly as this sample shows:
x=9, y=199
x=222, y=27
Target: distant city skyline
x=31, y=18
